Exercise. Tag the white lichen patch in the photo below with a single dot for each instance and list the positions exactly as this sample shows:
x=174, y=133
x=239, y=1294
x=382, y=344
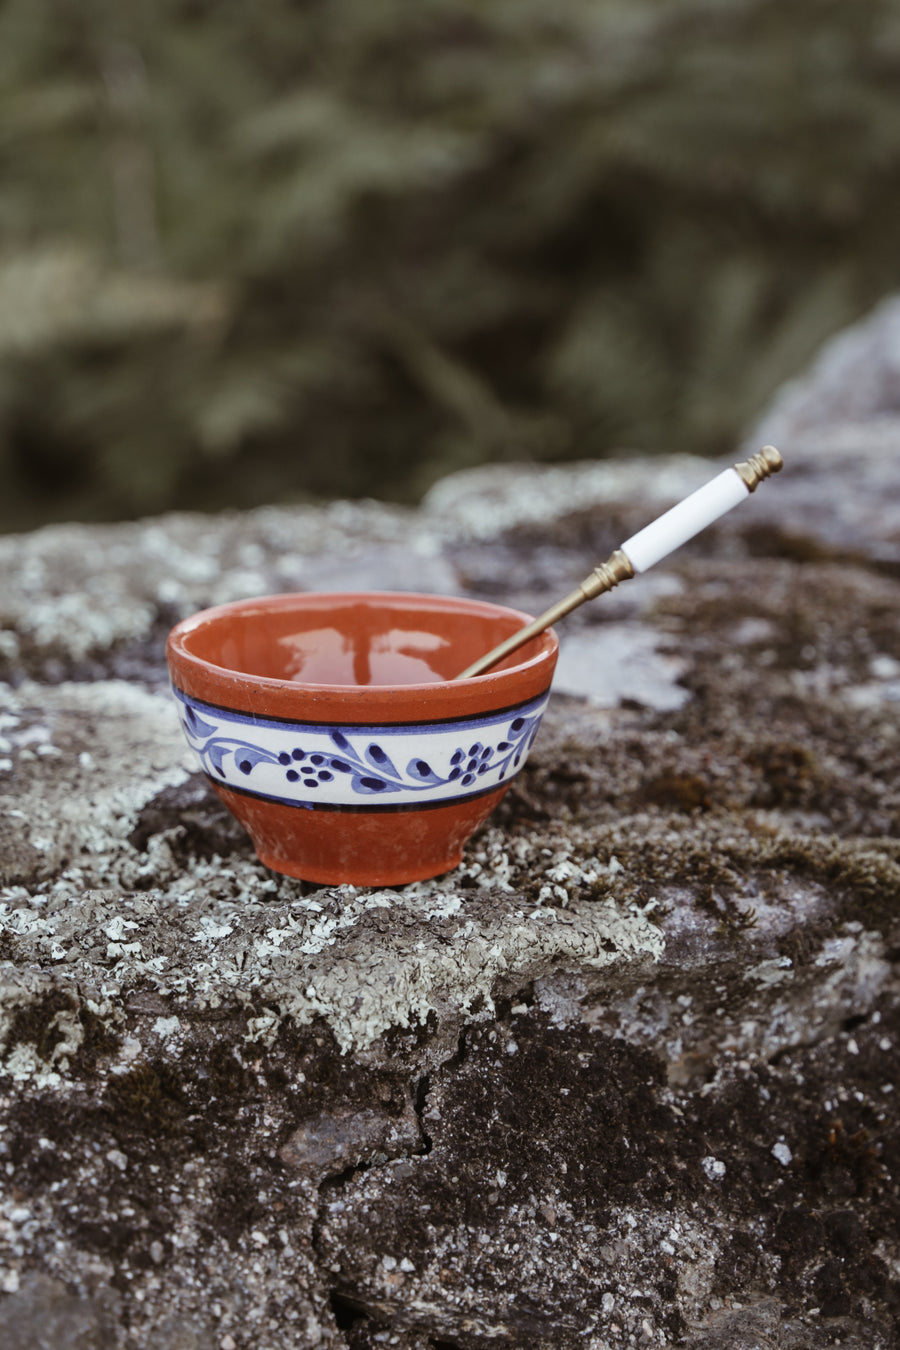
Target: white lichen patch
x=481, y=503
x=81, y=624
x=396, y=981
x=21, y=1060
x=363, y=963
x=117, y=745
x=74, y=591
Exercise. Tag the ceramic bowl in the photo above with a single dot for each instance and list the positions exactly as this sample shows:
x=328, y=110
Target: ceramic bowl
x=332, y=728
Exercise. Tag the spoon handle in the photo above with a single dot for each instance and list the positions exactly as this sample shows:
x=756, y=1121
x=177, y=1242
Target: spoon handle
x=661, y=537
x=700, y=509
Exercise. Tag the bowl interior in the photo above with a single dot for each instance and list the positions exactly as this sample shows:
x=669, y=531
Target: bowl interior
x=355, y=640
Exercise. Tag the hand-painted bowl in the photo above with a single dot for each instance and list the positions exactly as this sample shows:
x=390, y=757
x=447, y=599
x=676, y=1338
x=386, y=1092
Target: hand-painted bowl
x=331, y=725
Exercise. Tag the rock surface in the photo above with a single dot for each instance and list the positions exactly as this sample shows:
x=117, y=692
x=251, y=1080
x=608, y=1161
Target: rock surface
x=626, y=1078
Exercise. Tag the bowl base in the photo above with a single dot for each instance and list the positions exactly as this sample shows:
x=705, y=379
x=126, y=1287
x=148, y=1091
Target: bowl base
x=366, y=876
x=359, y=848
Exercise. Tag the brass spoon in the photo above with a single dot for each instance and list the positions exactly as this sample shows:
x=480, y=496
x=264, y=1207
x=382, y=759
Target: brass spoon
x=668, y=532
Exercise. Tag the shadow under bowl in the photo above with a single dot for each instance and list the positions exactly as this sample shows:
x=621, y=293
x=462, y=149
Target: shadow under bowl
x=332, y=727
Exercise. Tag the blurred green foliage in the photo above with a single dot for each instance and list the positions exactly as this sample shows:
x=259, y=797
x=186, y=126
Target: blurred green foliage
x=255, y=251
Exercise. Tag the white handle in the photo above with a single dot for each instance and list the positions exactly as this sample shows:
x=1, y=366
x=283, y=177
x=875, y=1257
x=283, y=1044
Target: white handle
x=676, y=527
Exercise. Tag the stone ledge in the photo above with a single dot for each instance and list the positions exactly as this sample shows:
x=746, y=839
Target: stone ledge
x=626, y=1077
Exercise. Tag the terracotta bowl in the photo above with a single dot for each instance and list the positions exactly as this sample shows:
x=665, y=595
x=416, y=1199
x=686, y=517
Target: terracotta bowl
x=332, y=728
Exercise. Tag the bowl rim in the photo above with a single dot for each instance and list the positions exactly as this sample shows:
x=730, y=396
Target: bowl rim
x=193, y=674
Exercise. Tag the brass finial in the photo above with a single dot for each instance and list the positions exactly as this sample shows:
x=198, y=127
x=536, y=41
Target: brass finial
x=760, y=466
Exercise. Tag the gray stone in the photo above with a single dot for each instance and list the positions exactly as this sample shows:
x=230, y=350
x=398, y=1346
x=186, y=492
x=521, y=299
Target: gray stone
x=43, y=1315
x=840, y=424
x=624, y=1078
x=173, y=1333
x=611, y=662
x=853, y=382
x=328, y=1145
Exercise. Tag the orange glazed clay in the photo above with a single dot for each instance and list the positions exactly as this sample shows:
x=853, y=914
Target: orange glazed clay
x=331, y=725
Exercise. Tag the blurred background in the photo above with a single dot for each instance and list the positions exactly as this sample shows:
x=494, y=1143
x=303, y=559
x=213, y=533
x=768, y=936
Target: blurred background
x=266, y=252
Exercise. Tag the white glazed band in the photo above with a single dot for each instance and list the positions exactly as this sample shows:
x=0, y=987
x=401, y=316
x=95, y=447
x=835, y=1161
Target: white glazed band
x=688, y=518
x=409, y=766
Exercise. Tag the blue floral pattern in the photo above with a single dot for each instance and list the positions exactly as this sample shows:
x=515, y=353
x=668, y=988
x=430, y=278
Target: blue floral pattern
x=310, y=764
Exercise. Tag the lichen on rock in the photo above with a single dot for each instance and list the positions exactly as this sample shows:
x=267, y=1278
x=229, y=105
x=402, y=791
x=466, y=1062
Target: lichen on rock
x=625, y=1077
